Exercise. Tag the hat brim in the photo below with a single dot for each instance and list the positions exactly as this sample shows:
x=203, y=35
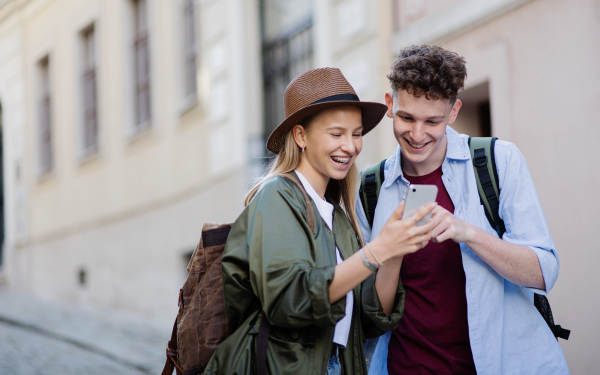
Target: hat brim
x=372, y=113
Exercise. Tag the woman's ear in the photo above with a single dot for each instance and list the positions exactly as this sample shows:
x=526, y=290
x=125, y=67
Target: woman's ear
x=299, y=135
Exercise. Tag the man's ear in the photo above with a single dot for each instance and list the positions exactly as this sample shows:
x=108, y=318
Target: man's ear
x=454, y=111
x=389, y=101
x=299, y=135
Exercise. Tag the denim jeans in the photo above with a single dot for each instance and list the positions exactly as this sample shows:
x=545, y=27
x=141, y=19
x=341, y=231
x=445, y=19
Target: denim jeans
x=334, y=367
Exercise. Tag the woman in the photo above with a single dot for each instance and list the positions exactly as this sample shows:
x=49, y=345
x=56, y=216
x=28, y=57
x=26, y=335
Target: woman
x=297, y=260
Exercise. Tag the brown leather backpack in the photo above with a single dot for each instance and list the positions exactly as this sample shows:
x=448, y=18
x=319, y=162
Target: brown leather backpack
x=201, y=323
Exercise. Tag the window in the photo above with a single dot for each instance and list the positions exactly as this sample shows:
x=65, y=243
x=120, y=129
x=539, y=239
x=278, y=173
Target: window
x=89, y=131
x=44, y=117
x=287, y=52
x=141, y=65
x=190, y=90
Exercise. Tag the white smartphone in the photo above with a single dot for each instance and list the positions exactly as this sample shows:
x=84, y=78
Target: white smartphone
x=418, y=196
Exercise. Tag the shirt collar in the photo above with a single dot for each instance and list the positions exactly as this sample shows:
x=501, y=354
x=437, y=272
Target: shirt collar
x=458, y=149
x=321, y=203
x=458, y=146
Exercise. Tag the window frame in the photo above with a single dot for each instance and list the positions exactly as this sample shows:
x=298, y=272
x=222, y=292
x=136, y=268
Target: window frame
x=189, y=87
x=89, y=137
x=45, y=151
x=141, y=67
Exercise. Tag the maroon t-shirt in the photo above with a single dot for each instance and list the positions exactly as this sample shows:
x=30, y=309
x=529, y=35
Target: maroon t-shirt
x=433, y=334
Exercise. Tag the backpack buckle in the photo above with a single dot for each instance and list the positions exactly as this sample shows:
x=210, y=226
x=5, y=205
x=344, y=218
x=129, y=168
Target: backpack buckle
x=480, y=159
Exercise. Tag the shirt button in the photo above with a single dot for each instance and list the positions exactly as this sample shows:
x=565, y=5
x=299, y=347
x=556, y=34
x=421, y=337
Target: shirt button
x=404, y=197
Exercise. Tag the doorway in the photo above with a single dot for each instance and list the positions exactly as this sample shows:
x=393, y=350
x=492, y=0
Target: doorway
x=475, y=117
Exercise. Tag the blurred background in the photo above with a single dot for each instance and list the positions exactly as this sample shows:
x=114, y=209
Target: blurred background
x=127, y=124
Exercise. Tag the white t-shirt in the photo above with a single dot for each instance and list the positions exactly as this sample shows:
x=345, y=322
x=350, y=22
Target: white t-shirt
x=342, y=328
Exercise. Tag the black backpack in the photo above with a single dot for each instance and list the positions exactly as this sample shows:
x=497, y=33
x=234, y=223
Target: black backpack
x=482, y=154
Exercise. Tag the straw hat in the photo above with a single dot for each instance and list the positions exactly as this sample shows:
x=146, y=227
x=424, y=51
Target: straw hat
x=314, y=91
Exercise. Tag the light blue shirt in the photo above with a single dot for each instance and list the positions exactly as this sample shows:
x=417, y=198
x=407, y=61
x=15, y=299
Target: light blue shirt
x=507, y=333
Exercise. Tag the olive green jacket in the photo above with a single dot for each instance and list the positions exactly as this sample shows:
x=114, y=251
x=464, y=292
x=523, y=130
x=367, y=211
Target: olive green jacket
x=273, y=258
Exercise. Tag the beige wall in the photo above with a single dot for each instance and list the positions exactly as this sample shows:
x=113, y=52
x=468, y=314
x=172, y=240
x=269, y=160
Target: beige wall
x=130, y=172
x=128, y=214
x=355, y=35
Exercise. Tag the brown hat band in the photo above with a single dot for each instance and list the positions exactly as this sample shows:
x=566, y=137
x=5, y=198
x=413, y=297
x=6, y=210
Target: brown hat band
x=338, y=97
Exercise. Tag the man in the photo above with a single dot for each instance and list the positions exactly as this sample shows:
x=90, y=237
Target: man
x=469, y=295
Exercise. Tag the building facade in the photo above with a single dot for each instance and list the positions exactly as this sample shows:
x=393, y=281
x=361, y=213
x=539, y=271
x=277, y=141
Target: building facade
x=127, y=124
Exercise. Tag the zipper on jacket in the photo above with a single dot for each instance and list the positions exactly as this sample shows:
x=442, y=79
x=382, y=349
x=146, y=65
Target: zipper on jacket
x=324, y=369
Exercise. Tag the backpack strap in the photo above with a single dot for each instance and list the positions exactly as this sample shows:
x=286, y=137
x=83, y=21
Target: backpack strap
x=484, y=163
x=262, y=342
x=543, y=306
x=172, y=363
x=486, y=174
x=371, y=180
x=310, y=215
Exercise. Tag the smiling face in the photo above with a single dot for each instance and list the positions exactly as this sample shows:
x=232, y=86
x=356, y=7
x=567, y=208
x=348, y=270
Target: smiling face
x=420, y=129
x=332, y=141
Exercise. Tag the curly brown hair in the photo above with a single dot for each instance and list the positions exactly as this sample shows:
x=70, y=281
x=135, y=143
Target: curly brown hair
x=428, y=70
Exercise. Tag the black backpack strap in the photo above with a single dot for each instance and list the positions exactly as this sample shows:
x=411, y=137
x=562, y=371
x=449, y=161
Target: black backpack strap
x=261, y=345
x=543, y=306
x=371, y=180
x=486, y=174
x=484, y=163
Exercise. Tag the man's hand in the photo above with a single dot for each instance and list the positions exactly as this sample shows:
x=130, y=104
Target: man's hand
x=518, y=264
x=446, y=226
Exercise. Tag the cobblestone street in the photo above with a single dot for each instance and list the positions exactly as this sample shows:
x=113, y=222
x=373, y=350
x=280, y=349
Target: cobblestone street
x=45, y=338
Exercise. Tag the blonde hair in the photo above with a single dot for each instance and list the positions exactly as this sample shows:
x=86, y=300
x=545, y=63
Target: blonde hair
x=342, y=192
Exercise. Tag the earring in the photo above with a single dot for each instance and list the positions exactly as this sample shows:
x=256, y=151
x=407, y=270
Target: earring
x=303, y=149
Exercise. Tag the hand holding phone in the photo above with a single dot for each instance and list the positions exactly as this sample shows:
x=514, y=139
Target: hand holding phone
x=418, y=196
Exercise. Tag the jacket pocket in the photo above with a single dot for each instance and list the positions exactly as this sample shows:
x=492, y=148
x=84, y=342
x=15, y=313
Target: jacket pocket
x=288, y=356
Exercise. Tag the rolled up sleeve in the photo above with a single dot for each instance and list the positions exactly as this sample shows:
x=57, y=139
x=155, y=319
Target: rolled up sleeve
x=521, y=210
x=376, y=322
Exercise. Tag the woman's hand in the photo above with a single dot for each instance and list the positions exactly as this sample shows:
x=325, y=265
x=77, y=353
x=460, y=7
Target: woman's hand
x=399, y=237
x=396, y=239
